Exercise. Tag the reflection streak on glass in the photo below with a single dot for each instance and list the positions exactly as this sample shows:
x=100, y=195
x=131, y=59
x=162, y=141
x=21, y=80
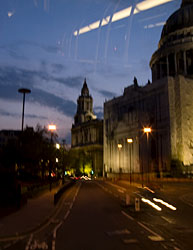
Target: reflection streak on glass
x=145, y=5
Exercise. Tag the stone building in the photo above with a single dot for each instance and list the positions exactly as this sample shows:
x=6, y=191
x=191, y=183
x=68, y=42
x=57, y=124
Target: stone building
x=165, y=106
x=87, y=131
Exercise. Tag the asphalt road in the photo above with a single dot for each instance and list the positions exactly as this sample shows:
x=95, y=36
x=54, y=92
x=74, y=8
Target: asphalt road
x=99, y=220
x=93, y=215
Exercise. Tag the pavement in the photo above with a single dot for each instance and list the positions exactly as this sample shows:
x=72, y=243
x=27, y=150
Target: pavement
x=32, y=215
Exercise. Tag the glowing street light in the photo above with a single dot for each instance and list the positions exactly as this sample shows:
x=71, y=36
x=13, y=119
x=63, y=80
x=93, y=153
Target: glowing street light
x=51, y=128
x=23, y=91
x=119, y=145
x=147, y=130
x=130, y=141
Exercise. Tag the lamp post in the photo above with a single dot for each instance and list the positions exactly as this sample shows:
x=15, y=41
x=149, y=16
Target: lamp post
x=23, y=91
x=147, y=130
x=51, y=128
x=119, y=145
x=130, y=141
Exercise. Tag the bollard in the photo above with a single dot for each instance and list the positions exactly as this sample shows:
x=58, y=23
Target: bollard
x=127, y=200
x=137, y=204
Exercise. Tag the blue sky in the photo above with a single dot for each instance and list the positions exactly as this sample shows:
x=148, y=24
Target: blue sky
x=38, y=50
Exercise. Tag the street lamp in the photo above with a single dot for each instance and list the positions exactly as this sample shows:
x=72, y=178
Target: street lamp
x=23, y=91
x=119, y=145
x=147, y=130
x=51, y=128
x=130, y=141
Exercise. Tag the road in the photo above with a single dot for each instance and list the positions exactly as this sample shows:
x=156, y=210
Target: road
x=93, y=216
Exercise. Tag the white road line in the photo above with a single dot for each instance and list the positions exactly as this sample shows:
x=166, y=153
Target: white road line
x=53, y=244
x=65, y=217
x=119, y=232
x=154, y=236
x=168, y=220
x=29, y=242
x=128, y=216
x=129, y=241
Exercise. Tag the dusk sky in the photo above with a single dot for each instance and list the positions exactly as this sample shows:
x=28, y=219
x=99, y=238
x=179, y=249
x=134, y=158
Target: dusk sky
x=50, y=46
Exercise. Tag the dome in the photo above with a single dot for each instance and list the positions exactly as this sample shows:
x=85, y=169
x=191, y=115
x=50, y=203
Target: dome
x=175, y=49
x=182, y=18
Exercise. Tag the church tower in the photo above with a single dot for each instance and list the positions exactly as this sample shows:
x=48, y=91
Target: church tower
x=84, y=111
x=87, y=133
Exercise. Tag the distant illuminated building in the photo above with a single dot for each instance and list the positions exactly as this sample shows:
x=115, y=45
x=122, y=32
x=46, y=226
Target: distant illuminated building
x=87, y=131
x=165, y=106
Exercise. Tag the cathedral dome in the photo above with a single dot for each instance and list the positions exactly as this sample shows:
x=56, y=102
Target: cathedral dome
x=182, y=18
x=175, y=49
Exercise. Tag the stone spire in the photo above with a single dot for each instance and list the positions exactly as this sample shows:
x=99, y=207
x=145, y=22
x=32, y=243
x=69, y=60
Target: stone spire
x=84, y=106
x=85, y=91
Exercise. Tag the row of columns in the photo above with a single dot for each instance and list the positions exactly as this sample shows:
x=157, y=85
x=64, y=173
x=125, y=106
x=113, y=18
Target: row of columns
x=169, y=62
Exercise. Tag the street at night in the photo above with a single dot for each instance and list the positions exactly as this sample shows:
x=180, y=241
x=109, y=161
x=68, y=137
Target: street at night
x=96, y=124
x=94, y=215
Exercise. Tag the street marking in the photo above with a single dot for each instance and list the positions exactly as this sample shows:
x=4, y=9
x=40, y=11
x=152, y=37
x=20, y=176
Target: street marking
x=168, y=220
x=29, y=242
x=155, y=236
x=66, y=215
x=118, y=232
x=37, y=245
x=53, y=244
x=129, y=241
x=128, y=216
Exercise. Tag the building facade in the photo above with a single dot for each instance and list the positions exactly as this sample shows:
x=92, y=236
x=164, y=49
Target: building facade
x=87, y=131
x=165, y=106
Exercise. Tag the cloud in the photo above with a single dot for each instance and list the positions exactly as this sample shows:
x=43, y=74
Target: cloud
x=20, y=44
x=33, y=116
x=70, y=81
x=11, y=79
x=57, y=68
x=107, y=94
x=14, y=54
x=67, y=107
x=98, y=111
x=5, y=113
x=17, y=76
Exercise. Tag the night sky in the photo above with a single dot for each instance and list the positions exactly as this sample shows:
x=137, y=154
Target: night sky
x=44, y=46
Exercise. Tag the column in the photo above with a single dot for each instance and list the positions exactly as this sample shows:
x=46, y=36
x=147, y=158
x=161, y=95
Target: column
x=185, y=66
x=167, y=62
x=175, y=63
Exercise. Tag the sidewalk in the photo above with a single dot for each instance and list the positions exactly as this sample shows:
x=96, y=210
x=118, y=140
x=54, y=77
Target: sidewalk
x=30, y=216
